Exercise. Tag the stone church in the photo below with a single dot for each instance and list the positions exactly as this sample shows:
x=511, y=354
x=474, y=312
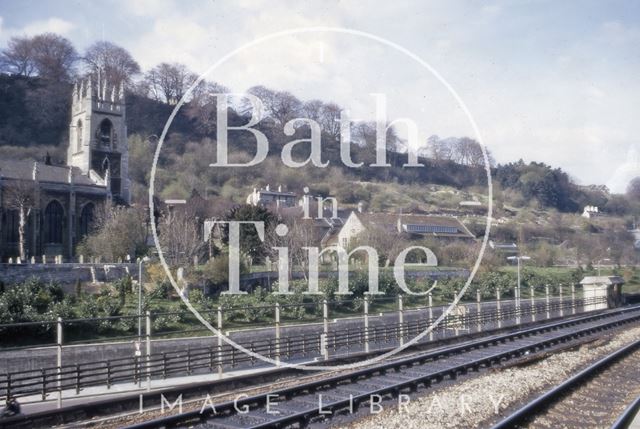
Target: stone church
x=59, y=202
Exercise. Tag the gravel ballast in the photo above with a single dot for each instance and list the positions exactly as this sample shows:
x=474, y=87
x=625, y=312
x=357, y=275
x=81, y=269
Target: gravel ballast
x=475, y=402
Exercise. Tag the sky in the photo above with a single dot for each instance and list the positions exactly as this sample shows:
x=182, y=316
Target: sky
x=550, y=81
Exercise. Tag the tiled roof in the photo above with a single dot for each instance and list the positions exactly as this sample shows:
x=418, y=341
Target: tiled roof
x=444, y=224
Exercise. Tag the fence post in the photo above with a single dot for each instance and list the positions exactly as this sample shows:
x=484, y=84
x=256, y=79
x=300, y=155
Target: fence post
x=59, y=360
x=533, y=303
x=366, y=324
x=573, y=298
x=517, y=303
x=546, y=292
x=401, y=319
x=277, y=310
x=324, y=339
x=148, y=348
x=478, y=309
x=44, y=385
x=561, y=301
x=430, y=315
x=498, y=312
x=219, y=341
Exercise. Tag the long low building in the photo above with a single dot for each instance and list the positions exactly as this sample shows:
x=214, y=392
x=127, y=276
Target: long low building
x=411, y=225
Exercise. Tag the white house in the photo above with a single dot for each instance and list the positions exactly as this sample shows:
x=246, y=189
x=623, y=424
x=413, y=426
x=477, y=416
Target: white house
x=268, y=197
x=590, y=212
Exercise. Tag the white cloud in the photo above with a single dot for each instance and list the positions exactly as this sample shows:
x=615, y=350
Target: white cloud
x=51, y=25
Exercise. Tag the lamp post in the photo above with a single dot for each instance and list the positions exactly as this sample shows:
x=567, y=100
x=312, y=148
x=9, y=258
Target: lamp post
x=600, y=264
x=140, y=262
x=518, y=258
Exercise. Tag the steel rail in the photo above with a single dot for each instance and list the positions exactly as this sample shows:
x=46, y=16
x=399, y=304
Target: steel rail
x=302, y=418
x=99, y=407
x=625, y=419
x=528, y=411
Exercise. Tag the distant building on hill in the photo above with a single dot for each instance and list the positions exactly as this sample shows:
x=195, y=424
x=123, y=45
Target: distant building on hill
x=268, y=197
x=591, y=212
x=504, y=247
x=411, y=225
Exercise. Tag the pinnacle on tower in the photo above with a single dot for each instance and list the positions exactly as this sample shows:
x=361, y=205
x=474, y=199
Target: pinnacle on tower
x=89, y=88
x=99, y=84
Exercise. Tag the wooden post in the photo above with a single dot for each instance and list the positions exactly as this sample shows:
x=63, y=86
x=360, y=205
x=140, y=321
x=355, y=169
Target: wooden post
x=324, y=340
x=498, y=312
x=517, y=303
x=148, y=348
x=561, y=300
x=430, y=315
x=219, y=341
x=533, y=304
x=59, y=359
x=277, y=310
x=401, y=319
x=478, y=309
x=573, y=298
x=546, y=292
x=366, y=324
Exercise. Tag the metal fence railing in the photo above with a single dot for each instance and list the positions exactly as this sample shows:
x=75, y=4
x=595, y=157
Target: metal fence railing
x=367, y=333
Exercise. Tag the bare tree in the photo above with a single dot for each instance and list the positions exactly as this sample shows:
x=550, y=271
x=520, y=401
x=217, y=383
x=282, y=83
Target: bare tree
x=54, y=56
x=17, y=58
x=633, y=189
x=203, y=106
x=21, y=196
x=48, y=55
x=387, y=242
x=118, y=232
x=301, y=233
x=327, y=115
x=180, y=238
x=169, y=82
x=468, y=152
x=282, y=106
x=440, y=150
x=113, y=61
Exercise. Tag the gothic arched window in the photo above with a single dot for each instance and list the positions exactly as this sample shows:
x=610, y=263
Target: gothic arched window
x=86, y=220
x=53, y=223
x=10, y=220
x=105, y=132
x=79, y=136
x=105, y=165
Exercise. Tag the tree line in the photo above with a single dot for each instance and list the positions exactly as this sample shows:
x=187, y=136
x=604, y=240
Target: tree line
x=34, y=108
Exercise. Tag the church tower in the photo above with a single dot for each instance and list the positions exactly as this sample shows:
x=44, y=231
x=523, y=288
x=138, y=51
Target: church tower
x=98, y=135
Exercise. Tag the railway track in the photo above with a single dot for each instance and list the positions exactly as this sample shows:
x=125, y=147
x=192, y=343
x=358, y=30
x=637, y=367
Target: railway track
x=303, y=404
x=594, y=397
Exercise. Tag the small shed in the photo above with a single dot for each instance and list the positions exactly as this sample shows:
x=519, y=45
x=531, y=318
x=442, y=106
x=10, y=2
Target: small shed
x=601, y=292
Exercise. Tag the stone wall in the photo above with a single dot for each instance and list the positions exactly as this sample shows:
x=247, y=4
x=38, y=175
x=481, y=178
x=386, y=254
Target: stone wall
x=66, y=273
